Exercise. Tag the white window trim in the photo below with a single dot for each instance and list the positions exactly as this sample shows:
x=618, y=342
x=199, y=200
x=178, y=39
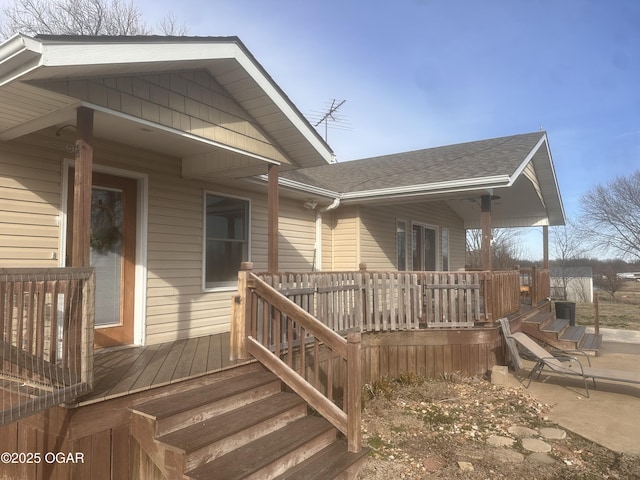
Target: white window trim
x=407, y=238
x=229, y=288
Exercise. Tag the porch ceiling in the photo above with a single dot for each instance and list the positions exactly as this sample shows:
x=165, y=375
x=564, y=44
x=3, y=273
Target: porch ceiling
x=26, y=108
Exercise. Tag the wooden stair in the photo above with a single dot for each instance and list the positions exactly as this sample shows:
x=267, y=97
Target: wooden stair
x=543, y=325
x=243, y=427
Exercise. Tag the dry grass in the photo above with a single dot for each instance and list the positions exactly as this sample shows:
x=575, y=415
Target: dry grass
x=623, y=312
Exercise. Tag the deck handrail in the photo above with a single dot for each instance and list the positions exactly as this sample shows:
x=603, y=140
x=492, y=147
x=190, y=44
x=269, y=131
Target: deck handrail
x=380, y=301
x=46, y=338
x=286, y=338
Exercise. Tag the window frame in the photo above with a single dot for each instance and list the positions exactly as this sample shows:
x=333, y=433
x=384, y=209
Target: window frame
x=437, y=253
x=445, y=254
x=405, y=223
x=233, y=285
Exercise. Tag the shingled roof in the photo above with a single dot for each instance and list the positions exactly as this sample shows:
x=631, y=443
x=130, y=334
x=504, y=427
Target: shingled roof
x=471, y=160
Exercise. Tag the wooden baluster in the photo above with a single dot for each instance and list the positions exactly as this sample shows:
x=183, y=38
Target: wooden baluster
x=353, y=394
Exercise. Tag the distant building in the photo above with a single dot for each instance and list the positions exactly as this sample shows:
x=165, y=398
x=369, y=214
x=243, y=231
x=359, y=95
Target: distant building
x=574, y=284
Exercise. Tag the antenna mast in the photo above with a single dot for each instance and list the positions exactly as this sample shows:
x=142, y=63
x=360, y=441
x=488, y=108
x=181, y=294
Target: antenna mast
x=333, y=108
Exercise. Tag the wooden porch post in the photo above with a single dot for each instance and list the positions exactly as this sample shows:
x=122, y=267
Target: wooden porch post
x=545, y=247
x=82, y=188
x=272, y=228
x=485, y=222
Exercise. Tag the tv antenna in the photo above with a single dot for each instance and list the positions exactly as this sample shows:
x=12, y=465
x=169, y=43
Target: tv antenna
x=338, y=121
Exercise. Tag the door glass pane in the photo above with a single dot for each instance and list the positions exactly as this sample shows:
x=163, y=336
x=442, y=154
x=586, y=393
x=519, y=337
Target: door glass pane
x=429, y=249
x=106, y=253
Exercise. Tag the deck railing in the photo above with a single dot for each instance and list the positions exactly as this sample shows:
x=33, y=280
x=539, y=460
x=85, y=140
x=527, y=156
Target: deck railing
x=46, y=338
x=389, y=301
x=536, y=284
x=303, y=352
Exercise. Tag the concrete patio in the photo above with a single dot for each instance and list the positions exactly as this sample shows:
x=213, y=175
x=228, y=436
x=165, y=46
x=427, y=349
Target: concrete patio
x=611, y=415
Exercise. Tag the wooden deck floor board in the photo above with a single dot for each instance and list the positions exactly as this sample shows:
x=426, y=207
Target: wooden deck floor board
x=214, y=359
x=170, y=363
x=150, y=371
x=120, y=371
x=199, y=364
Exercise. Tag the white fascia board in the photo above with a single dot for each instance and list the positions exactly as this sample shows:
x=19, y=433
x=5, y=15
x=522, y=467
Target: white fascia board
x=527, y=159
x=18, y=55
x=462, y=185
x=62, y=54
x=555, y=183
x=180, y=133
x=272, y=92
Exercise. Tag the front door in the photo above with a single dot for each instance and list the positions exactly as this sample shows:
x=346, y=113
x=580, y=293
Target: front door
x=112, y=254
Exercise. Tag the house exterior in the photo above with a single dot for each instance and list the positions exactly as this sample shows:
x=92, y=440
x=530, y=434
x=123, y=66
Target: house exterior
x=174, y=135
x=137, y=174
x=409, y=211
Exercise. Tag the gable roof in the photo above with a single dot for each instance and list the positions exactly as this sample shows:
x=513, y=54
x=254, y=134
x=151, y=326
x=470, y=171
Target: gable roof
x=483, y=159
x=25, y=63
x=517, y=168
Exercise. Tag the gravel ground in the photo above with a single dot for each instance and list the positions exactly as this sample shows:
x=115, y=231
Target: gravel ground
x=420, y=429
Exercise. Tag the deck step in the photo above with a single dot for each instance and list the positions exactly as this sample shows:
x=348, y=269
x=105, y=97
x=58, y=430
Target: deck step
x=329, y=463
x=539, y=317
x=573, y=333
x=557, y=325
x=219, y=435
x=270, y=455
x=591, y=342
x=197, y=405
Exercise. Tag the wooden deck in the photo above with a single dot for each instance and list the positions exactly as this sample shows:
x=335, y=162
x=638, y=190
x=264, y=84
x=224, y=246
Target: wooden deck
x=125, y=370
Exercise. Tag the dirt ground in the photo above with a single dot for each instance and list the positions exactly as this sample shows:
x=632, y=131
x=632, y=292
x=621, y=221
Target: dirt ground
x=422, y=429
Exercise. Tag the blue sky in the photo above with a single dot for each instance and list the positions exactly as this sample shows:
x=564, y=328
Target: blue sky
x=423, y=73
x=420, y=73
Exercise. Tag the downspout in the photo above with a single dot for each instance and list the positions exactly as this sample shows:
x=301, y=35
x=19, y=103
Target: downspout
x=317, y=257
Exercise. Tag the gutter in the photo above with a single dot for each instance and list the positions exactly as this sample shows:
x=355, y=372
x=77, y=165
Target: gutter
x=18, y=55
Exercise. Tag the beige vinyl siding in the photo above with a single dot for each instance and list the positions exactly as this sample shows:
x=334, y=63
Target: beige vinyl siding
x=344, y=237
x=29, y=205
x=297, y=236
x=378, y=232
x=191, y=101
x=177, y=305
x=327, y=241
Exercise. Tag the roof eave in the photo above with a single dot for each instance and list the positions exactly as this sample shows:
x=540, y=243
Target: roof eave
x=23, y=58
x=440, y=188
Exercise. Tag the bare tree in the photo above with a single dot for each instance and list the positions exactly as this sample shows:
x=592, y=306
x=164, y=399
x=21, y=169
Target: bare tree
x=610, y=282
x=505, y=248
x=611, y=216
x=79, y=17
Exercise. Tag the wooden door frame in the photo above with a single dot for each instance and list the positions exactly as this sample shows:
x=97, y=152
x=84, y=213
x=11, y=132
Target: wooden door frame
x=142, y=179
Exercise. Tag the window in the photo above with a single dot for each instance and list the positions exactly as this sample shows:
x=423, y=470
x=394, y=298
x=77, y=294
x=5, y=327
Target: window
x=401, y=245
x=226, y=239
x=444, y=246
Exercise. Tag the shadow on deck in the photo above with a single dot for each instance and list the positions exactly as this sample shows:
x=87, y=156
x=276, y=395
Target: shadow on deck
x=125, y=370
